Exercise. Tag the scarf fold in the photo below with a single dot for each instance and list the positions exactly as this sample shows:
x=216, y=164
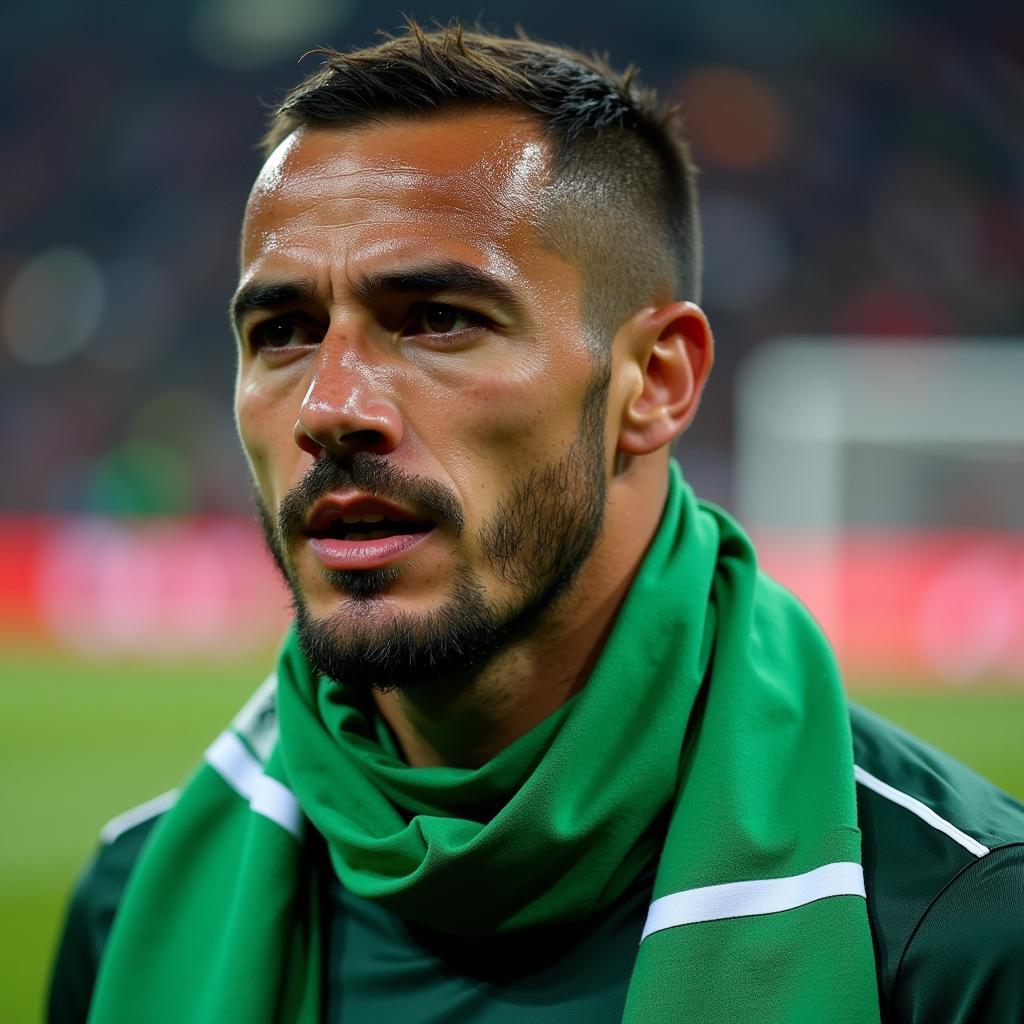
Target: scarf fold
x=712, y=735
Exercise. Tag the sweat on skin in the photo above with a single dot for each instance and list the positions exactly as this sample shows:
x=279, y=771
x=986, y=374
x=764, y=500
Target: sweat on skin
x=472, y=397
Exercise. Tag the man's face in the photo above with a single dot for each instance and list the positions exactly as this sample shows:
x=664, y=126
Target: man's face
x=423, y=416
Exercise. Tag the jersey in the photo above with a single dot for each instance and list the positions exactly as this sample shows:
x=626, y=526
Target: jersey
x=943, y=856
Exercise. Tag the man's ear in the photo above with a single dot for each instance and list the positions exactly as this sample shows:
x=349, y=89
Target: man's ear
x=673, y=349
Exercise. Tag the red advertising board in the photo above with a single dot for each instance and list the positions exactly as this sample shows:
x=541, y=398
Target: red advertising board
x=922, y=608
x=160, y=588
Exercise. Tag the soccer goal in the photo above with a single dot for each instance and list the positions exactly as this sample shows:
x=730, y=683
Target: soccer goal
x=884, y=481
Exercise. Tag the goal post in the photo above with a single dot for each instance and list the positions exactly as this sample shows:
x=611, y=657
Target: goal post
x=884, y=481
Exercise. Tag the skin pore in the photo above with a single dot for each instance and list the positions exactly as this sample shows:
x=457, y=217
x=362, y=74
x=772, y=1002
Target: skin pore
x=405, y=334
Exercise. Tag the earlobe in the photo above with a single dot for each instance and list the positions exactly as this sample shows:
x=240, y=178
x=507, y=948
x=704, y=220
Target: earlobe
x=675, y=352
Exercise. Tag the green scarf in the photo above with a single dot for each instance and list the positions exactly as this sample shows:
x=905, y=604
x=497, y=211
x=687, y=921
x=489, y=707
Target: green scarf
x=713, y=735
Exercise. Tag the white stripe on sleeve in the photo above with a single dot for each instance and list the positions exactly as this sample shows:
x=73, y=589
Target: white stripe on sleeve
x=922, y=810
x=129, y=819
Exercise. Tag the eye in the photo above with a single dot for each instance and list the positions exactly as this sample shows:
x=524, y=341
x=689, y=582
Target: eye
x=436, y=318
x=282, y=332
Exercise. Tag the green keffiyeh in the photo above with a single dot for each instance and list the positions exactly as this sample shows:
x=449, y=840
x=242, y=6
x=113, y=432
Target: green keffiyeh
x=712, y=735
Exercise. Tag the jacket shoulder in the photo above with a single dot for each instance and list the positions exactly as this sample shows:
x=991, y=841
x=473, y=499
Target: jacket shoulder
x=93, y=905
x=98, y=893
x=943, y=853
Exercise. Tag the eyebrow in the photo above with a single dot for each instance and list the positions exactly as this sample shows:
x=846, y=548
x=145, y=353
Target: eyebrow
x=447, y=276
x=269, y=295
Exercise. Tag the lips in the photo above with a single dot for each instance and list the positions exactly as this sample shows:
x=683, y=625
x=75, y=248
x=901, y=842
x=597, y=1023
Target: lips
x=357, y=531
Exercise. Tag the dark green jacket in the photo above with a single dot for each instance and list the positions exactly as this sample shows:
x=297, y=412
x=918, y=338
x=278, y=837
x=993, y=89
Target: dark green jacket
x=943, y=854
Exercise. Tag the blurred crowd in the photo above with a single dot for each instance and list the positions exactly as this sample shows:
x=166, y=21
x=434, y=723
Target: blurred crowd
x=862, y=174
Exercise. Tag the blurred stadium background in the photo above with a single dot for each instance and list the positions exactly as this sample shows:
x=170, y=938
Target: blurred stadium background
x=863, y=199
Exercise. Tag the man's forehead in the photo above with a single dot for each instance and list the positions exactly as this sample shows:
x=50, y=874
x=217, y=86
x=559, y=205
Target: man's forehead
x=477, y=176
x=490, y=155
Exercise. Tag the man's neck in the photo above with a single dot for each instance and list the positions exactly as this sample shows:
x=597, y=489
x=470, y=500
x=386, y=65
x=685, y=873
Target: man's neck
x=470, y=722
x=517, y=689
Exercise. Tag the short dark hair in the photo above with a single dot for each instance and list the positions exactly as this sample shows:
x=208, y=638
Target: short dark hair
x=623, y=188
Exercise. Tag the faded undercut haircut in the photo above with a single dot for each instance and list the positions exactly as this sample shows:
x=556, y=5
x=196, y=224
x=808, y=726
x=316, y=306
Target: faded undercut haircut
x=621, y=202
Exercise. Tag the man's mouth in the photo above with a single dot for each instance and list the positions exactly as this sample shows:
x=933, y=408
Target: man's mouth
x=372, y=526
x=362, y=532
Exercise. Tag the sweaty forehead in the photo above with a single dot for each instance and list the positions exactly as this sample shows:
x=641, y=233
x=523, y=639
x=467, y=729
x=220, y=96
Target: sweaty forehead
x=476, y=176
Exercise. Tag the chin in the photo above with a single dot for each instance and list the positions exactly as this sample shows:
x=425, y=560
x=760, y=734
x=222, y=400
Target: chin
x=363, y=586
x=366, y=641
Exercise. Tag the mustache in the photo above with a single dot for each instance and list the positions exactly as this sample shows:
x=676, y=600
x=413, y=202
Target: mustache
x=374, y=475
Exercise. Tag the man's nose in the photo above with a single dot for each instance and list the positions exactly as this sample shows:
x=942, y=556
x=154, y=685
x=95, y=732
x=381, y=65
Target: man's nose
x=347, y=407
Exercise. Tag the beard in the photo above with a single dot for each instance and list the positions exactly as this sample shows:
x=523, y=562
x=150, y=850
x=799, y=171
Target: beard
x=536, y=541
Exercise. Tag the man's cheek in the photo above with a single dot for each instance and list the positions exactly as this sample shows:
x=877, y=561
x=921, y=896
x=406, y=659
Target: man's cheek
x=256, y=426
x=260, y=467
x=508, y=423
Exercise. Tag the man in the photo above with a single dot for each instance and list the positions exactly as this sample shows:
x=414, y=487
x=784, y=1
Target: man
x=543, y=745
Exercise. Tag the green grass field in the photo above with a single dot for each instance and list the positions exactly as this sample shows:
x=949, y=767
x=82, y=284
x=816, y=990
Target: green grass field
x=82, y=743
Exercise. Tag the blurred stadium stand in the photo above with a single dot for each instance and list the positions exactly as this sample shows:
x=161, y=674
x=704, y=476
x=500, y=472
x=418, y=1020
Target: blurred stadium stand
x=863, y=175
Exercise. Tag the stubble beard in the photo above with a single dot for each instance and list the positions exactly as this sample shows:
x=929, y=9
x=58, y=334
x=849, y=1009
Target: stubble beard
x=536, y=542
